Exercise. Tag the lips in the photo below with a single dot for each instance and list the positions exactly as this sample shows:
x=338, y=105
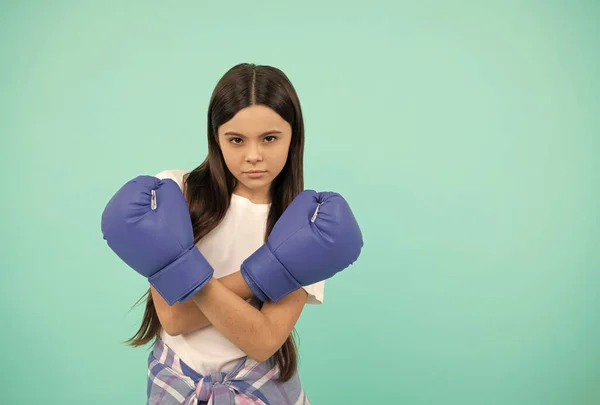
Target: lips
x=255, y=174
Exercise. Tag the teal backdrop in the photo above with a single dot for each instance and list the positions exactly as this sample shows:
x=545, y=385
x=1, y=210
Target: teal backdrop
x=464, y=134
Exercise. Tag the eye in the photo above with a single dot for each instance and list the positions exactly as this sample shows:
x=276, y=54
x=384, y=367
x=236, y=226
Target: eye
x=273, y=138
x=234, y=141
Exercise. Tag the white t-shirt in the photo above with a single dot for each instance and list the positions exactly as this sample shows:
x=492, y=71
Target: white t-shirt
x=239, y=235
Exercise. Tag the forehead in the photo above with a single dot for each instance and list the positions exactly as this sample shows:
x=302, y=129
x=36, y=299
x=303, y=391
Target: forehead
x=255, y=120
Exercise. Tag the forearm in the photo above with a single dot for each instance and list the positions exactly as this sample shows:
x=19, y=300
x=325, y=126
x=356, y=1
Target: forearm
x=245, y=326
x=188, y=317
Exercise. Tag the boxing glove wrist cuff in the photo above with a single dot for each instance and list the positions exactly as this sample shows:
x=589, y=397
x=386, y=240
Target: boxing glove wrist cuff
x=266, y=276
x=183, y=278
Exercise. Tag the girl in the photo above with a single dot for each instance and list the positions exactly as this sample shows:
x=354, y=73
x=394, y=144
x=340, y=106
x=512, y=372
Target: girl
x=224, y=346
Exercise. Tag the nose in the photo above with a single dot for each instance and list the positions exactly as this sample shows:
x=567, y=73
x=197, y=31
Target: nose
x=254, y=153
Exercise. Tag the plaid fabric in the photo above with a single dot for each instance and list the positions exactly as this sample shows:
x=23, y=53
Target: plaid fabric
x=172, y=382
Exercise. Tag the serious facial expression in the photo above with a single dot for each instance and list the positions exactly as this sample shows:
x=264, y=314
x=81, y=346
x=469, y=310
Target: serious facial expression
x=255, y=145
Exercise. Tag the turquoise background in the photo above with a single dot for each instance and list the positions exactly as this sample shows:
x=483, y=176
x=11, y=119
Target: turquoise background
x=464, y=134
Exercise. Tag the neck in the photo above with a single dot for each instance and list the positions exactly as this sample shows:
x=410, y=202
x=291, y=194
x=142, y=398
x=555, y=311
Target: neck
x=259, y=196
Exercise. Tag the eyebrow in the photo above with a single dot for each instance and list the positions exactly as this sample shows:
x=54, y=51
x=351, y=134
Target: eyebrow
x=273, y=131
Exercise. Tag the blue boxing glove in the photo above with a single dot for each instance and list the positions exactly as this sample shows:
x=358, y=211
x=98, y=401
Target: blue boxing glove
x=316, y=237
x=147, y=224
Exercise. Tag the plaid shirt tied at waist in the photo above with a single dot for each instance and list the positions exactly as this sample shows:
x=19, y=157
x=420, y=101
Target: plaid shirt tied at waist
x=172, y=382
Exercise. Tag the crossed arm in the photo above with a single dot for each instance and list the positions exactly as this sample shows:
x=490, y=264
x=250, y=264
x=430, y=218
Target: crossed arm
x=222, y=303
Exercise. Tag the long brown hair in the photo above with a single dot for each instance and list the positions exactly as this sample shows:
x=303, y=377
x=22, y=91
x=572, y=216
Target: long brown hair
x=208, y=187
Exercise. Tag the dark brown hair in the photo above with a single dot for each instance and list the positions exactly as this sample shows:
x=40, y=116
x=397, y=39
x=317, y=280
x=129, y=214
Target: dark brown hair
x=208, y=187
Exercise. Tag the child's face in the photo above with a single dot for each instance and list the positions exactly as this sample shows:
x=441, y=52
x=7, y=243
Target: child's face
x=255, y=139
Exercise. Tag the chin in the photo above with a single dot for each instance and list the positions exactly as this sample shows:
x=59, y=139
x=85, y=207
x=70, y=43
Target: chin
x=255, y=184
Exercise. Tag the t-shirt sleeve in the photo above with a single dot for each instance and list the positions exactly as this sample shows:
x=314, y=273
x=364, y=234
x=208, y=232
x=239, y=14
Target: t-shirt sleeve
x=315, y=293
x=173, y=174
